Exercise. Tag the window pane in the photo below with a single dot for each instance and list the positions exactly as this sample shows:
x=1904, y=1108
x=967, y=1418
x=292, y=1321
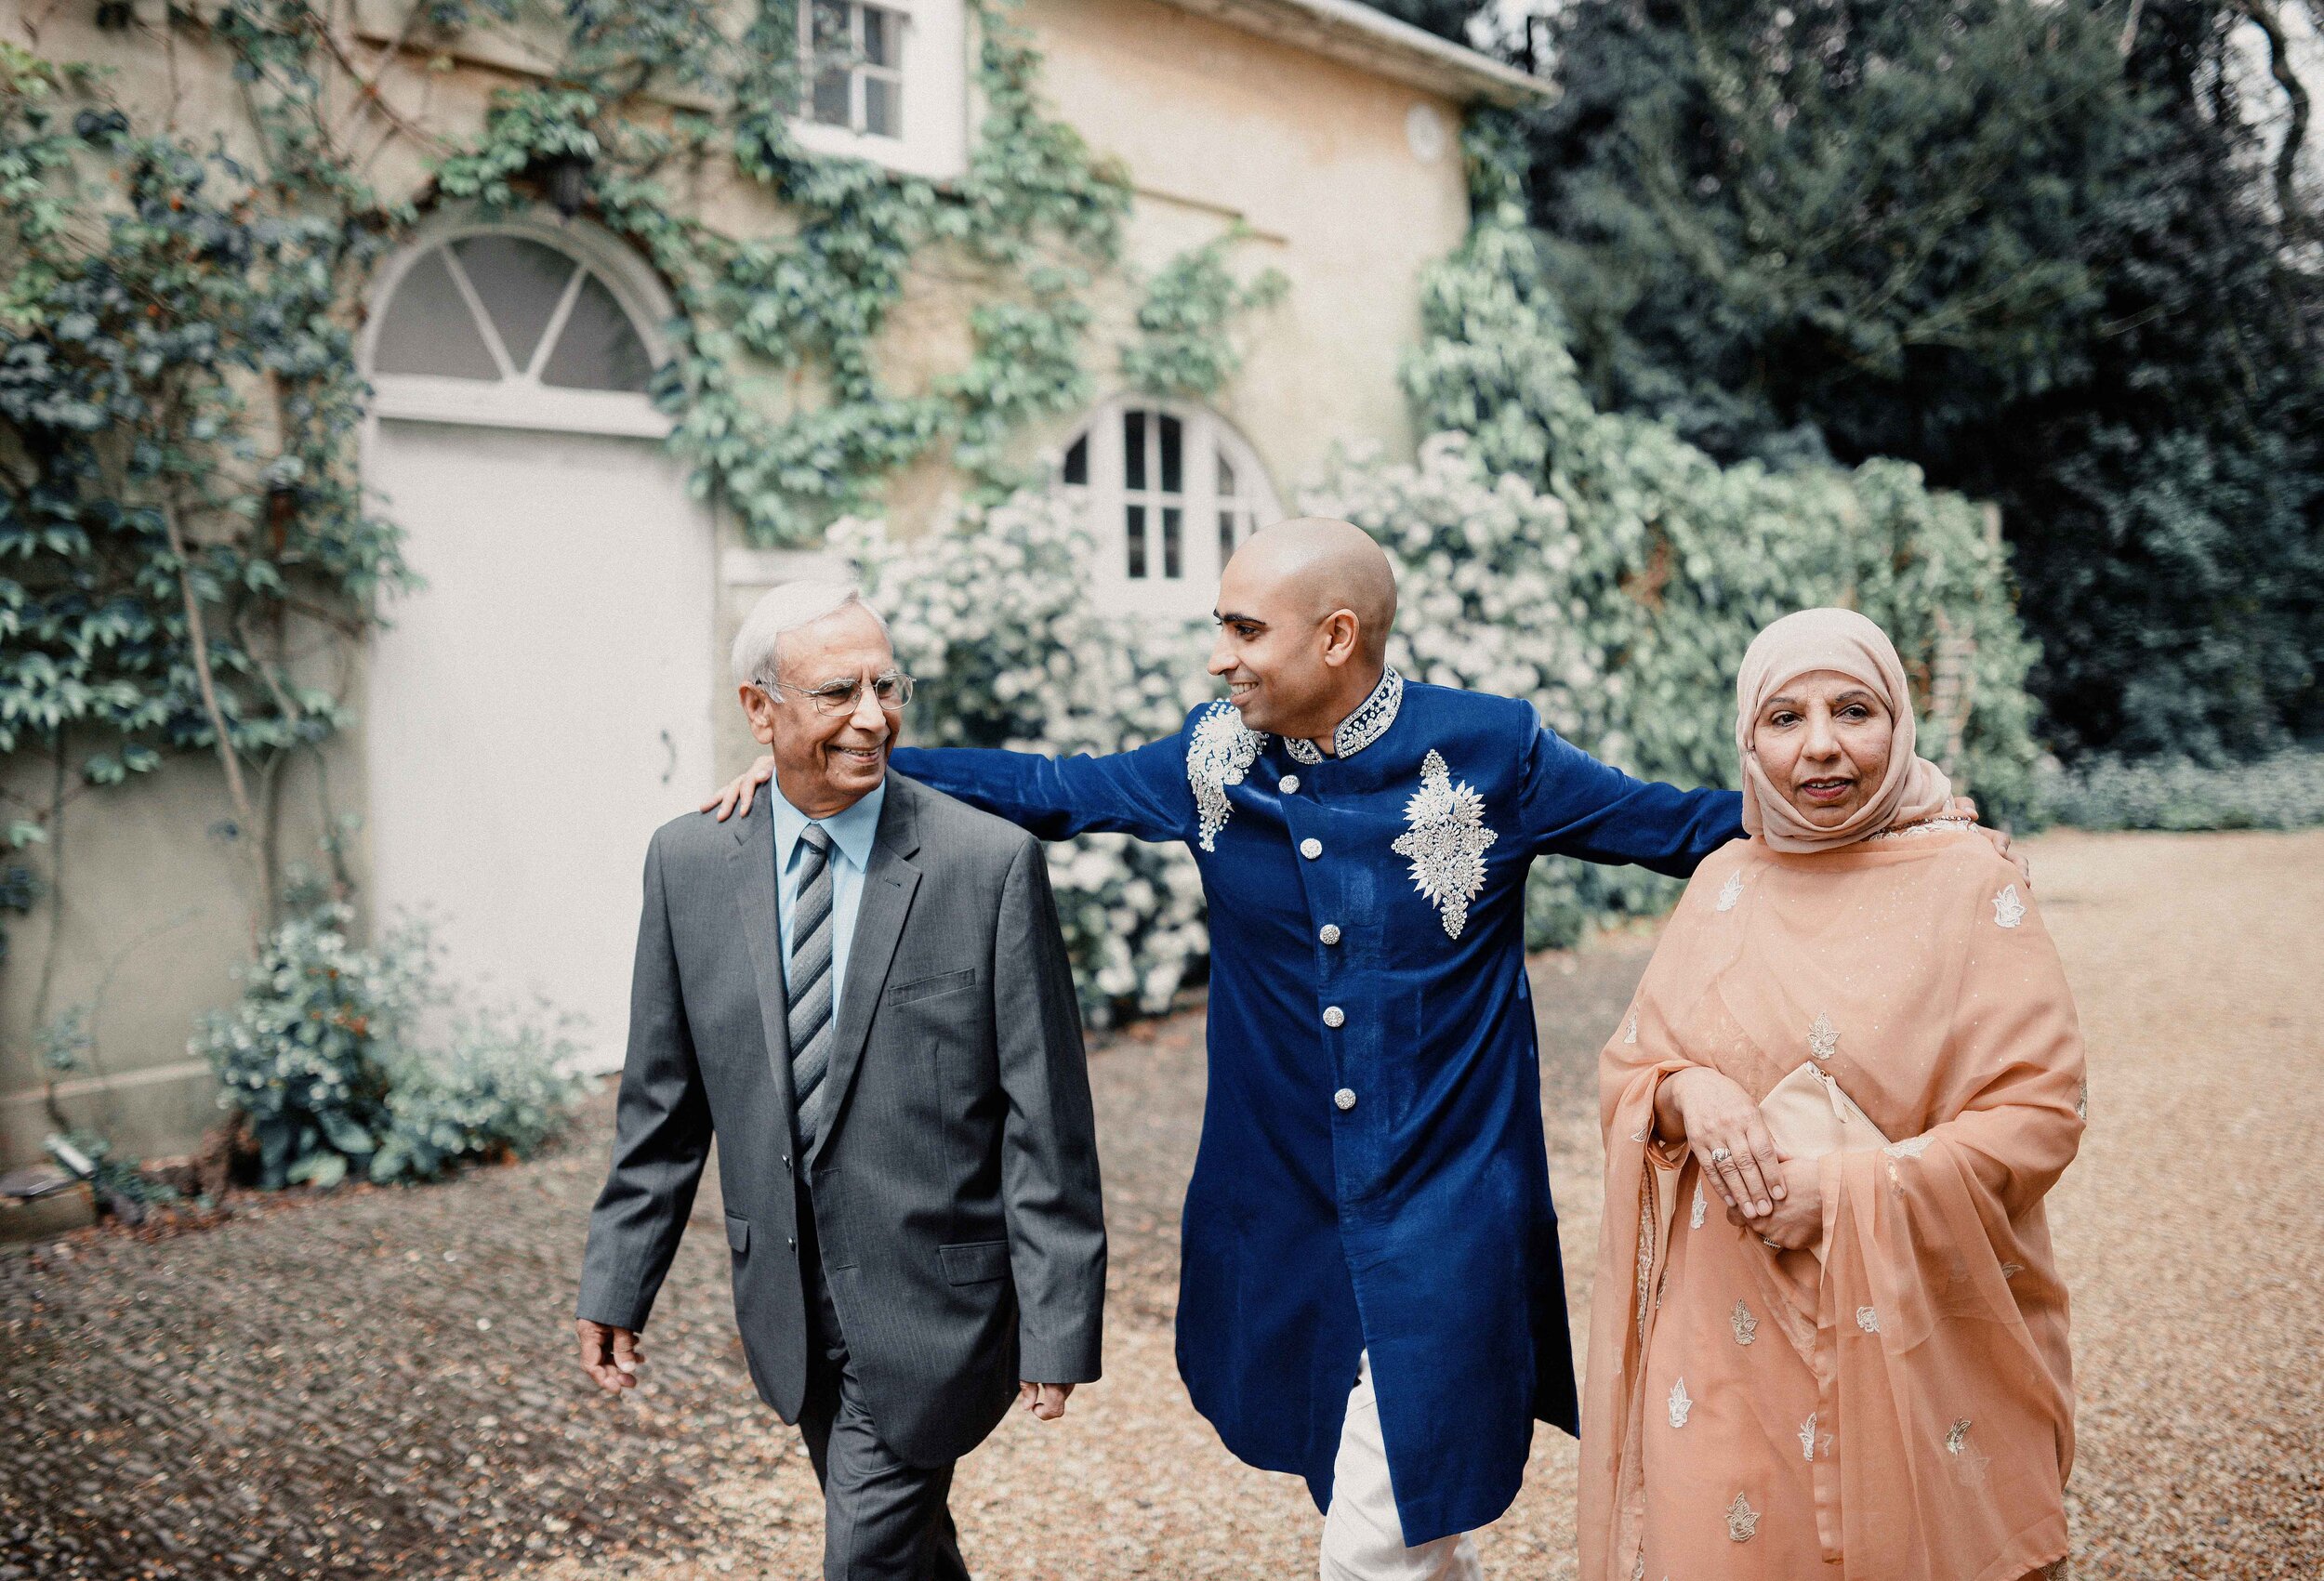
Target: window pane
x=1173, y=556
x=831, y=86
x=521, y=282
x=1226, y=536
x=429, y=329
x=1226, y=476
x=884, y=106
x=1077, y=461
x=1136, y=534
x=830, y=35
x=599, y=347
x=882, y=37
x=1171, y=480
x=1134, y=450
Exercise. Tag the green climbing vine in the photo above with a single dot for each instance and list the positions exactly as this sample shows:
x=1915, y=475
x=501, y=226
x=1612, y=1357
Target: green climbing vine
x=188, y=562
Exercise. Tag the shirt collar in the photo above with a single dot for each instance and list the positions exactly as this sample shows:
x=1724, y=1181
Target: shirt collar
x=852, y=830
x=1359, y=729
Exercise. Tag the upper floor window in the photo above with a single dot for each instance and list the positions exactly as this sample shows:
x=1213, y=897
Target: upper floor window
x=886, y=80
x=1168, y=491
x=852, y=55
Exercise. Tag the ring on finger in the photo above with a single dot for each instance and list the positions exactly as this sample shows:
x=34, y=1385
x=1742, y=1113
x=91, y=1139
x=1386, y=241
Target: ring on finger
x=1721, y=1155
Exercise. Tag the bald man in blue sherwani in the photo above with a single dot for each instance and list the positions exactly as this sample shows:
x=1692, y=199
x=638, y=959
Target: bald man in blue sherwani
x=1371, y=1295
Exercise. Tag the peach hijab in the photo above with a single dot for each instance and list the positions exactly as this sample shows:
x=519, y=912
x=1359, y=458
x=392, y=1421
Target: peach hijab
x=1932, y=1337
x=1913, y=787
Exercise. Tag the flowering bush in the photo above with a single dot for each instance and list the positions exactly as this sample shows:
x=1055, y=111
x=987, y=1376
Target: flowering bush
x=325, y=1059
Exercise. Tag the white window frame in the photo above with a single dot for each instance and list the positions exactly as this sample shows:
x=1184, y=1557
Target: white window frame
x=518, y=399
x=934, y=90
x=1105, y=500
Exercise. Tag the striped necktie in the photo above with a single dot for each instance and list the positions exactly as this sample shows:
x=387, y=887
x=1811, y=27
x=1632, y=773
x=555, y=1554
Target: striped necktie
x=811, y=983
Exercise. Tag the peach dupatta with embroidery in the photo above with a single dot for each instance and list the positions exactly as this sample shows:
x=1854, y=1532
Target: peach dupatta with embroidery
x=1931, y=1341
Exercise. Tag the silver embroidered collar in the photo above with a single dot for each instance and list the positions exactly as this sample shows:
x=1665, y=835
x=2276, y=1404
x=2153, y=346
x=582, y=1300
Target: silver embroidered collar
x=1359, y=729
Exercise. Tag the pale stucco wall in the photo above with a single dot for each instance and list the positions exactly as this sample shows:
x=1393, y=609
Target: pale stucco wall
x=1215, y=127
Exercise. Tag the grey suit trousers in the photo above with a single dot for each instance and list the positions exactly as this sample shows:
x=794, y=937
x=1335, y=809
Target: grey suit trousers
x=883, y=1518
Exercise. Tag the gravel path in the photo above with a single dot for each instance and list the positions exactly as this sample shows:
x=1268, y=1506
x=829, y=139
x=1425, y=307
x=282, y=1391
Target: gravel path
x=380, y=1384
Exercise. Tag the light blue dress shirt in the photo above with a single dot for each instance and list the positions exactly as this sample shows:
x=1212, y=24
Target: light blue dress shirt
x=851, y=832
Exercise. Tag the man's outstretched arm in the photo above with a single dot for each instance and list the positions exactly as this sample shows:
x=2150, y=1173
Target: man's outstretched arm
x=1577, y=806
x=1141, y=793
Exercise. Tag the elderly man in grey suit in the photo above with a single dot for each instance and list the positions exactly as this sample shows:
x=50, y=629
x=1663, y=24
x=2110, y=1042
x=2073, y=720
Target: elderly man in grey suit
x=864, y=997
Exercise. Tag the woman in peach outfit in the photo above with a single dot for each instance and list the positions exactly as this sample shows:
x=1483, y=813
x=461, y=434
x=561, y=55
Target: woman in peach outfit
x=1855, y=1365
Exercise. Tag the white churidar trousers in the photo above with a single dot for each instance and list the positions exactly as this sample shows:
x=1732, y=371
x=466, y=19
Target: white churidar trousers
x=1363, y=1538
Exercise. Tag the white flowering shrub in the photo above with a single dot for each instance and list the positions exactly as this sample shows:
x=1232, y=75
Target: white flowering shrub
x=998, y=620
x=1596, y=564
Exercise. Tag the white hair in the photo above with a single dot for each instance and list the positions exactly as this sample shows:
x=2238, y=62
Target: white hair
x=757, y=653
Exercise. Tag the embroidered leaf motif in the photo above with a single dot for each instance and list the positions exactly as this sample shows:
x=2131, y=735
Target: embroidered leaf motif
x=1631, y=1037
x=1446, y=842
x=1956, y=1435
x=1868, y=1319
x=1679, y=1404
x=1220, y=751
x=1742, y=1520
x=2008, y=910
x=1911, y=1147
x=1731, y=892
x=2012, y=1270
x=1807, y=1438
x=1823, y=1038
x=1745, y=1325
x=1694, y=1219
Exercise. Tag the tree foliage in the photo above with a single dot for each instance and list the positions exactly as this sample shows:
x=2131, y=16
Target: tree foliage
x=1984, y=236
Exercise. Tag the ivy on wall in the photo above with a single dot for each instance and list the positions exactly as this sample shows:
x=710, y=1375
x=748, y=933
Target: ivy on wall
x=187, y=563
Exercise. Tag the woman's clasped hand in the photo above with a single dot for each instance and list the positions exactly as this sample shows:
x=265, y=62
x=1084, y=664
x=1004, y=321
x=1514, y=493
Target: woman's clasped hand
x=1775, y=1196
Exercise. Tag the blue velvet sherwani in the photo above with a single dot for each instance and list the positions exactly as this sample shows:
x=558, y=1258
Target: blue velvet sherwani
x=1371, y=1173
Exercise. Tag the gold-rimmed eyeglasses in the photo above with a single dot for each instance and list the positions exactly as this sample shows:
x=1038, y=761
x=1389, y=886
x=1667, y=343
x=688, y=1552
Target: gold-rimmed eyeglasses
x=842, y=695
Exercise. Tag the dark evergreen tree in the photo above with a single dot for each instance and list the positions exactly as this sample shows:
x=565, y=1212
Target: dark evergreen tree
x=1987, y=236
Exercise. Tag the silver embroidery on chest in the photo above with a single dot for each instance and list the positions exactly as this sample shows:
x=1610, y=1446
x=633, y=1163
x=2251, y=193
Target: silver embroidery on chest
x=1911, y=1147
x=1731, y=892
x=1220, y=753
x=1868, y=1319
x=1742, y=1520
x=1823, y=1038
x=1807, y=1438
x=1694, y=1218
x=1745, y=1325
x=2008, y=910
x=1446, y=842
x=1679, y=1404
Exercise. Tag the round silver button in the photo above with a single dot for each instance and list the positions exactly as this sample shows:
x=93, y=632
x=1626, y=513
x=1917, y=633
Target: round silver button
x=1334, y=1016
x=1345, y=1099
x=1311, y=848
x=1288, y=783
x=1329, y=933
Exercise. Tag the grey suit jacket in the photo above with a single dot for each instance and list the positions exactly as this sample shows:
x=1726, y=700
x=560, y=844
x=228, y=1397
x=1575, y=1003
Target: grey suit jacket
x=955, y=1184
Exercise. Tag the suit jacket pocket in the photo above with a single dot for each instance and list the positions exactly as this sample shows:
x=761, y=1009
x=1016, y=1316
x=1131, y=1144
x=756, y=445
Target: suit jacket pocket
x=974, y=1262
x=738, y=1232
x=929, y=987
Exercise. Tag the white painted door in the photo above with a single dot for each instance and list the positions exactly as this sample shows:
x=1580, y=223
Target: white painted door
x=541, y=706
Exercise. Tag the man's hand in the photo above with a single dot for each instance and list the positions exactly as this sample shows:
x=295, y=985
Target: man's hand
x=1966, y=806
x=737, y=792
x=1797, y=1220
x=611, y=1355
x=1046, y=1401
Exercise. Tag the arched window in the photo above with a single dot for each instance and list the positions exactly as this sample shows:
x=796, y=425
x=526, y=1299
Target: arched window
x=511, y=324
x=1168, y=490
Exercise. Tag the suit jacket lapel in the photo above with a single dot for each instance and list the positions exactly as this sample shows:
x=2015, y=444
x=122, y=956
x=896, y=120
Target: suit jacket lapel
x=753, y=852
x=889, y=886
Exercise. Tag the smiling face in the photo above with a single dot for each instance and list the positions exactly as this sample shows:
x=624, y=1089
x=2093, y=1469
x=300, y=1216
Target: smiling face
x=1823, y=742
x=824, y=763
x=1304, y=612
